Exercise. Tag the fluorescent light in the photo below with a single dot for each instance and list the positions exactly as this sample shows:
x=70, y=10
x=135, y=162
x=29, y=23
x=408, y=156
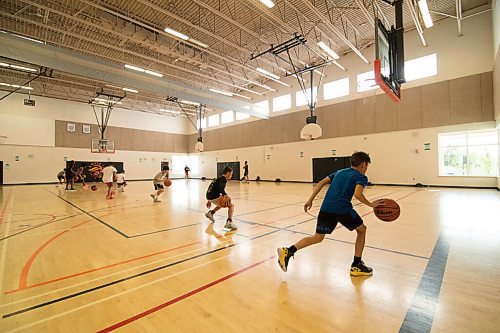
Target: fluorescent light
x=225, y=93
x=130, y=90
x=242, y=96
x=112, y=86
x=197, y=42
x=107, y=101
x=15, y=86
x=424, y=10
x=24, y=37
x=263, y=71
x=23, y=68
x=3, y=64
x=176, y=33
x=268, y=3
x=190, y=103
x=328, y=50
x=135, y=68
x=153, y=73
x=165, y=110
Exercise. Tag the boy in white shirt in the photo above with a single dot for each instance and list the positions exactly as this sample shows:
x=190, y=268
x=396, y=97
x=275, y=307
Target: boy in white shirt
x=120, y=180
x=108, y=177
x=158, y=183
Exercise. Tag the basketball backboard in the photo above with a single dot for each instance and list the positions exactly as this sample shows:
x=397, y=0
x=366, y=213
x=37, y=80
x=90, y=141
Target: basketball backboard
x=103, y=146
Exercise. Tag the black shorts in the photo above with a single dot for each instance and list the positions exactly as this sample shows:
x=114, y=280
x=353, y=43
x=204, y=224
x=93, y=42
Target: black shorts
x=328, y=221
x=60, y=177
x=158, y=187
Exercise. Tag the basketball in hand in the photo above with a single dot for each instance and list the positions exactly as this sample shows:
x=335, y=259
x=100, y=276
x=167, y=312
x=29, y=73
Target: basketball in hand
x=225, y=201
x=167, y=182
x=388, y=212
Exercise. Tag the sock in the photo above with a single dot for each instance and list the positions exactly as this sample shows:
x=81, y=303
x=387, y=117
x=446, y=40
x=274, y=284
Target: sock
x=357, y=260
x=292, y=249
x=212, y=211
x=229, y=220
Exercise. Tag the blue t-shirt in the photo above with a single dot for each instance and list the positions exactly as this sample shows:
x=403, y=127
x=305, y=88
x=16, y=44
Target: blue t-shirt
x=339, y=195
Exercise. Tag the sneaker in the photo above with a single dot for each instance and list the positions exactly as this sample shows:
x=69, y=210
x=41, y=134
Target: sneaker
x=361, y=269
x=283, y=258
x=230, y=225
x=153, y=196
x=210, y=216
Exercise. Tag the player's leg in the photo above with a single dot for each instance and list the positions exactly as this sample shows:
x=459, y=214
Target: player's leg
x=210, y=214
x=108, y=195
x=229, y=222
x=353, y=221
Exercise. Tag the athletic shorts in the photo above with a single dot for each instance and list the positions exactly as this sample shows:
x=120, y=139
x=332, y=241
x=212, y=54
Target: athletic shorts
x=158, y=187
x=60, y=177
x=121, y=184
x=109, y=184
x=328, y=221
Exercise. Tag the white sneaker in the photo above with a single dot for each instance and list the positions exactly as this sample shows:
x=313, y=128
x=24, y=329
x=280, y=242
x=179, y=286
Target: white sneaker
x=230, y=225
x=210, y=216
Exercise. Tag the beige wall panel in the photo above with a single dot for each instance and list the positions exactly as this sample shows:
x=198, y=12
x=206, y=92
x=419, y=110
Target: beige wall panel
x=168, y=142
x=487, y=84
x=287, y=134
x=277, y=127
x=127, y=139
x=436, y=104
x=328, y=120
x=113, y=133
x=140, y=140
x=487, y=110
x=180, y=143
x=346, y=117
x=386, y=114
x=465, y=111
x=464, y=88
x=156, y=140
x=59, y=128
x=365, y=115
x=409, y=110
x=225, y=138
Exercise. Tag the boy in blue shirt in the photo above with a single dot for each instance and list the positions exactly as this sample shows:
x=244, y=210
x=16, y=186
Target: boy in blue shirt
x=337, y=207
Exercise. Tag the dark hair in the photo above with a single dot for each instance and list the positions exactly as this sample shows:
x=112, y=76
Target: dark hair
x=359, y=157
x=246, y=162
x=227, y=170
x=165, y=168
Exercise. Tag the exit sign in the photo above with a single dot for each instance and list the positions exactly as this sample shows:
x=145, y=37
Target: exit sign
x=29, y=102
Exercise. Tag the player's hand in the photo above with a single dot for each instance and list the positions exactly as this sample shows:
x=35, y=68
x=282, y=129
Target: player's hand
x=308, y=205
x=378, y=202
x=209, y=204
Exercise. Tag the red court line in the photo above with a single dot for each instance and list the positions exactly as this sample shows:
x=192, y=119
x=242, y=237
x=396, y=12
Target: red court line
x=181, y=297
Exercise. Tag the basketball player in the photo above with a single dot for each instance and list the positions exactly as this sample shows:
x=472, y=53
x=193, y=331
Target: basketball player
x=158, y=183
x=120, y=181
x=70, y=174
x=81, y=175
x=216, y=194
x=245, y=172
x=337, y=207
x=186, y=172
x=108, y=177
x=61, y=177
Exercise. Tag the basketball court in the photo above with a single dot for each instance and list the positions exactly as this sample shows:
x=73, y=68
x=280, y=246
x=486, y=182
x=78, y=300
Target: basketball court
x=282, y=93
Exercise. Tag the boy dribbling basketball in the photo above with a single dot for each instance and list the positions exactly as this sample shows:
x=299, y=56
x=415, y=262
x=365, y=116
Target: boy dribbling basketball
x=337, y=207
x=217, y=195
x=158, y=183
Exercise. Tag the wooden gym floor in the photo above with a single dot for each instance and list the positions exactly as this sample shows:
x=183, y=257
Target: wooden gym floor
x=75, y=262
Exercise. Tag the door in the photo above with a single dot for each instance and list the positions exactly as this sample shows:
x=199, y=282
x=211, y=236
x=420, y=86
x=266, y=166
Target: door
x=233, y=165
x=322, y=167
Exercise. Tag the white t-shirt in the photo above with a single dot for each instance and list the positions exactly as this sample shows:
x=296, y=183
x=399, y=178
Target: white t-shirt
x=120, y=178
x=107, y=174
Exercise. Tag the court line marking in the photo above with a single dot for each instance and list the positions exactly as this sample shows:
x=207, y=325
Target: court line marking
x=39, y=226
x=40, y=305
x=89, y=214
x=3, y=252
x=182, y=297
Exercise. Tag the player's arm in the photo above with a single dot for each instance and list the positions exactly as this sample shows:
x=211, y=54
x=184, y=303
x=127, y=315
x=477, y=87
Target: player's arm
x=358, y=194
x=317, y=188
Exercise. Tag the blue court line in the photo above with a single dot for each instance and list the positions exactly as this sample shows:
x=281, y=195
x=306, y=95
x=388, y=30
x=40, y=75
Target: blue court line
x=420, y=315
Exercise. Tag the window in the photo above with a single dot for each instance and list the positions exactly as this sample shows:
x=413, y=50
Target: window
x=300, y=98
x=179, y=162
x=336, y=89
x=472, y=153
x=366, y=81
x=261, y=107
x=227, y=117
x=213, y=120
x=282, y=103
x=421, y=67
x=203, y=123
x=241, y=116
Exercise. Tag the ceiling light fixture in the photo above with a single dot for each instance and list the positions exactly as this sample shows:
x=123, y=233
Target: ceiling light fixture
x=176, y=33
x=130, y=90
x=263, y=71
x=197, y=42
x=189, y=102
x=142, y=70
x=15, y=86
x=268, y=3
x=3, y=64
x=424, y=10
x=328, y=50
x=225, y=93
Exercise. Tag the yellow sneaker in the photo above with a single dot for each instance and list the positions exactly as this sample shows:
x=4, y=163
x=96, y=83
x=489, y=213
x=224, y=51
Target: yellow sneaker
x=283, y=257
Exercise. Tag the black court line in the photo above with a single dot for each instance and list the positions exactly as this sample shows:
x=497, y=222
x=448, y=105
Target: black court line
x=420, y=315
x=34, y=307
x=263, y=210
x=39, y=226
x=92, y=216
x=165, y=230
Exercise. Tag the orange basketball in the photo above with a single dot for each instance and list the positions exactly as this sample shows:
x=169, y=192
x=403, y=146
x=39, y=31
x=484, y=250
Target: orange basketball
x=93, y=187
x=167, y=182
x=225, y=201
x=388, y=212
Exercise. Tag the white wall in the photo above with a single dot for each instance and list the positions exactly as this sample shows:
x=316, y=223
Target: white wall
x=41, y=164
x=395, y=159
x=456, y=57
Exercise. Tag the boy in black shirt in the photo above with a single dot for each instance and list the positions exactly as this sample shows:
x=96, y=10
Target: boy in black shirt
x=217, y=195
